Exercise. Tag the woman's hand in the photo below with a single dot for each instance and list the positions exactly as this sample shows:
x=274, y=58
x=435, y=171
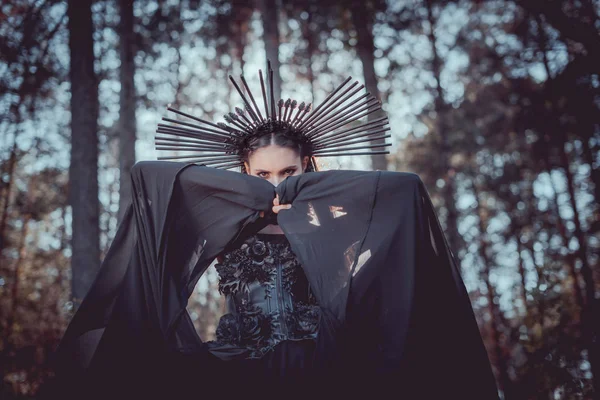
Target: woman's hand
x=277, y=207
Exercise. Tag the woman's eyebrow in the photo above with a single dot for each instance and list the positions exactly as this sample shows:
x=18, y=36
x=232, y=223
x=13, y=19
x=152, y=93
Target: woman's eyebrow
x=283, y=169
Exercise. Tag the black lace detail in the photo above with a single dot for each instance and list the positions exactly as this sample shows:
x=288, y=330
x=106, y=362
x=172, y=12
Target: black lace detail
x=304, y=318
x=255, y=261
x=289, y=310
x=250, y=328
x=251, y=262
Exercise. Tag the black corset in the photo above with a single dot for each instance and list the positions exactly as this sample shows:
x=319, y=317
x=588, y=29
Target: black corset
x=268, y=297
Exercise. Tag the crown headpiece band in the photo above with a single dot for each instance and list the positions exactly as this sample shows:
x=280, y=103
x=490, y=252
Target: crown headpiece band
x=222, y=145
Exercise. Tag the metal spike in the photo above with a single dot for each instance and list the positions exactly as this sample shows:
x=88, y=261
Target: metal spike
x=253, y=124
x=192, y=133
x=190, y=147
x=187, y=135
x=232, y=119
x=273, y=112
x=195, y=141
x=369, y=138
x=230, y=129
x=186, y=142
x=224, y=160
x=179, y=140
x=241, y=113
x=366, y=153
x=327, y=99
x=288, y=102
x=227, y=165
x=322, y=129
x=231, y=166
x=306, y=111
x=292, y=108
x=333, y=103
x=300, y=108
x=355, y=135
x=250, y=110
x=223, y=126
x=342, y=148
x=183, y=157
x=254, y=117
x=208, y=161
x=192, y=117
x=347, y=117
x=262, y=86
x=197, y=127
x=205, y=157
x=333, y=114
x=356, y=115
x=279, y=105
x=378, y=123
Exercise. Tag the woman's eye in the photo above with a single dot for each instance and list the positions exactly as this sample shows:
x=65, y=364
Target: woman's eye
x=290, y=171
x=262, y=174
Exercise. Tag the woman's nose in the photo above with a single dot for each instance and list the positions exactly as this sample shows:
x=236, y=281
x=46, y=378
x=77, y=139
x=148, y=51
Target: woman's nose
x=274, y=181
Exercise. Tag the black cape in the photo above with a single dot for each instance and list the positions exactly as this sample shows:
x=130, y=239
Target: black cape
x=395, y=312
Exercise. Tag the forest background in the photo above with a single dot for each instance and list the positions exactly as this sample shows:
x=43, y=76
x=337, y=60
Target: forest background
x=493, y=103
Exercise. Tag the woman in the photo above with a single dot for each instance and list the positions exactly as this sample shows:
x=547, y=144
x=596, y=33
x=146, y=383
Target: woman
x=272, y=317
x=335, y=280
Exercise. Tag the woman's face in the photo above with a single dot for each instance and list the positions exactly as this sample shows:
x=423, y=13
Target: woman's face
x=275, y=163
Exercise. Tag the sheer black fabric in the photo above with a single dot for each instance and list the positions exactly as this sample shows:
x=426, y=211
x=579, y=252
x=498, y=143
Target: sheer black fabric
x=394, y=310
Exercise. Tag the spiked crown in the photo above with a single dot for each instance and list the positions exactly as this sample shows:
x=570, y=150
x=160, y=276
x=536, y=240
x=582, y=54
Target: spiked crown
x=323, y=129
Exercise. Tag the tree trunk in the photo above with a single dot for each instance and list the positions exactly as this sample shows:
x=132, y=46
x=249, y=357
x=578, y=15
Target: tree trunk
x=569, y=27
x=565, y=242
x=362, y=19
x=243, y=14
x=529, y=245
x=501, y=365
x=12, y=161
x=590, y=327
x=589, y=156
x=310, y=49
x=83, y=170
x=14, y=290
x=240, y=41
x=270, y=21
x=127, y=122
x=590, y=324
x=21, y=250
x=440, y=107
x=586, y=271
x=522, y=269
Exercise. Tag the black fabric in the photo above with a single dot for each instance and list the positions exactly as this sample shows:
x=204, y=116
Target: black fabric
x=394, y=310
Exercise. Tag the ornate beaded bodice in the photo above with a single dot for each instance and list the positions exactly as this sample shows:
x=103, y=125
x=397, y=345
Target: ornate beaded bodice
x=268, y=296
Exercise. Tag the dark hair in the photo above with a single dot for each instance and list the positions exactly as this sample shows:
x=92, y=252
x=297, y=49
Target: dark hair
x=282, y=138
